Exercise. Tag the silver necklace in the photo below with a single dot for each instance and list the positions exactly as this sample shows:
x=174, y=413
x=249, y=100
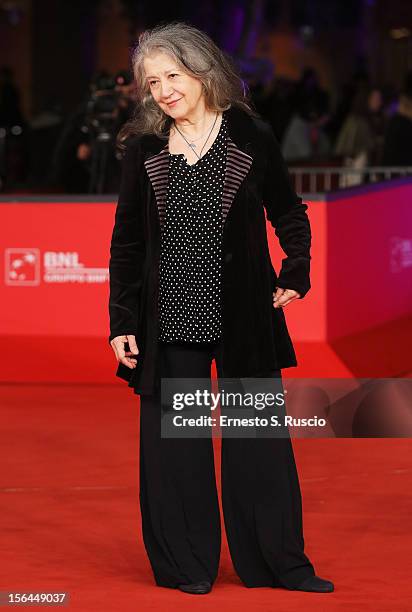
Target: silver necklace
x=195, y=168
x=193, y=140
x=192, y=144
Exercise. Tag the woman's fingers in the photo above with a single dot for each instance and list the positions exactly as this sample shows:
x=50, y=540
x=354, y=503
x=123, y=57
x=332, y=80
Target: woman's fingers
x=283, y=297
x=127, y=361
x=132, y=344
x=277, y=295
x=121, y=355
x=131, y=355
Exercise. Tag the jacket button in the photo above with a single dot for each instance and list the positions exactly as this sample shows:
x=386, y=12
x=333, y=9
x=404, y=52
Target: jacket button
x=228, y=257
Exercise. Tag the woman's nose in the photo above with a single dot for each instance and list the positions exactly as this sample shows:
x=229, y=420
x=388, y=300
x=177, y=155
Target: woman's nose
x=166, y=90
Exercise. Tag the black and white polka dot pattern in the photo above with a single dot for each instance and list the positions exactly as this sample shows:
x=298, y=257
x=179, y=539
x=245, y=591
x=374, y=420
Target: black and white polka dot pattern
x=191, y=247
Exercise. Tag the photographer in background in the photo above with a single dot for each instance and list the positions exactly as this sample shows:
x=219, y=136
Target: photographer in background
x=85, y=159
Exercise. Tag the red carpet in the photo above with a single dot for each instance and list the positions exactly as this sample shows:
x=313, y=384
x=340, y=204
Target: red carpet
x=71, y=522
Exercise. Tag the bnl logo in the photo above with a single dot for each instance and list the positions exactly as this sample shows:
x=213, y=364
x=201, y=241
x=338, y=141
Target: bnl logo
x=22, y=267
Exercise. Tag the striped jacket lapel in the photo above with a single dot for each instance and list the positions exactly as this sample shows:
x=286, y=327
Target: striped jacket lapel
x=157, y=168
x=237, y=166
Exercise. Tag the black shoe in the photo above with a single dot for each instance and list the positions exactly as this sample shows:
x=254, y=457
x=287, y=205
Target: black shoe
x=197, y=588
x=316, y=585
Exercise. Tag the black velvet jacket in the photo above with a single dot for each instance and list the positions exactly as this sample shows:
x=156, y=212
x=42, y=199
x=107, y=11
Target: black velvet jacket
x=255, y=335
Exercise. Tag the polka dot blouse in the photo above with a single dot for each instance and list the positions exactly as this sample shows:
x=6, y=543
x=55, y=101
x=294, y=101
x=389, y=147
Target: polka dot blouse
x=191, y=247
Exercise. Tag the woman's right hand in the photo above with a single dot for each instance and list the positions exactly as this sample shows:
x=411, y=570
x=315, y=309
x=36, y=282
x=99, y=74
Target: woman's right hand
x=127, y=358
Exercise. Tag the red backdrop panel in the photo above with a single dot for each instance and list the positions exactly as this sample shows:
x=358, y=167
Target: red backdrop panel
x=54, y=288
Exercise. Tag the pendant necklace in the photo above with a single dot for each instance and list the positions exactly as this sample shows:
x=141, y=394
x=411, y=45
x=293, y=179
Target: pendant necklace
x=192, y=146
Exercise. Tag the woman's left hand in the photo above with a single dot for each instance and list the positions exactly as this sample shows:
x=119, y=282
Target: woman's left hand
x=282, y=297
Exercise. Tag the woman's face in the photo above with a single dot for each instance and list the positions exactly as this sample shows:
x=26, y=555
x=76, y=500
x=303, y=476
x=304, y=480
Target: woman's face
x=176, y=92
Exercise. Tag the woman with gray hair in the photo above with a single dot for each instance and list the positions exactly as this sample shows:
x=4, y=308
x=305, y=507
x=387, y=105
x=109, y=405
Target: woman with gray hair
x=191, y=280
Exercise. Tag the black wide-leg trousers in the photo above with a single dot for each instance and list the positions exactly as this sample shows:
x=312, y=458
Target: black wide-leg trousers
x=261, y=498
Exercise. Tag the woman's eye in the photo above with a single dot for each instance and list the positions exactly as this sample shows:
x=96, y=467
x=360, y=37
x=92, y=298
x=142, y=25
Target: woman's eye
x=173, y=74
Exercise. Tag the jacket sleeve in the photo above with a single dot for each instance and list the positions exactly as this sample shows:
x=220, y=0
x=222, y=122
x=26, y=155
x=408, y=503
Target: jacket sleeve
x=127, y=249
x=287, y=215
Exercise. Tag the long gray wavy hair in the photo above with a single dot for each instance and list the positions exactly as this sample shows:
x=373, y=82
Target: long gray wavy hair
x=196, y=54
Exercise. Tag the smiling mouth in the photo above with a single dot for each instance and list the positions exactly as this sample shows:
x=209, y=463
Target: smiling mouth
x=173, y=102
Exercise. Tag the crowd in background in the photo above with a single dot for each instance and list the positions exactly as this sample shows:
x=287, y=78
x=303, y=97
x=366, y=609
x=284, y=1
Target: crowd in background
x=369, y=125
